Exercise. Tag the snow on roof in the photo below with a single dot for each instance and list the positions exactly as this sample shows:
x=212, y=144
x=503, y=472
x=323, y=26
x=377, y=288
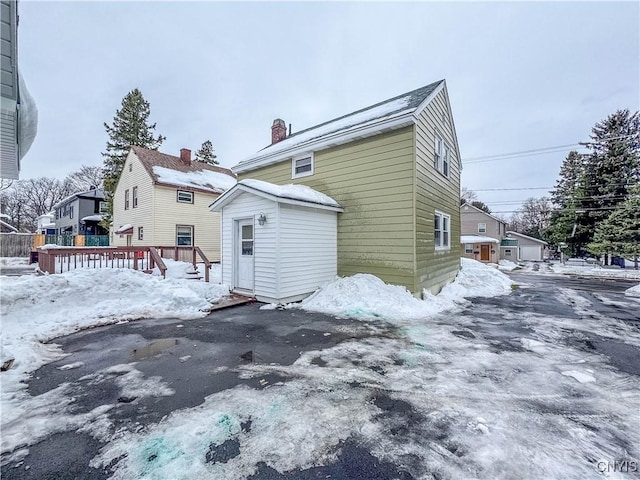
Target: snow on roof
x=215, y=182
x=386, y=110
x=124, y=228
x=510, y=232
x=293, y=192
x=477, y=239
x=91, y=193
x=10, y=227
x=92, y=218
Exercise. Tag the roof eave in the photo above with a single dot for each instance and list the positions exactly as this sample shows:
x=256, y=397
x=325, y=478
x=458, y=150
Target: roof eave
x=237, y=189
x=328, y=141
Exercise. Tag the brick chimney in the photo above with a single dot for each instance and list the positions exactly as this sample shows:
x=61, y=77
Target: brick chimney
x=185, y=156
x=278, y=131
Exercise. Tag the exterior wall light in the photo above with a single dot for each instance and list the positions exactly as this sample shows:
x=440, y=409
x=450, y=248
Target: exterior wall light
x=262, y=219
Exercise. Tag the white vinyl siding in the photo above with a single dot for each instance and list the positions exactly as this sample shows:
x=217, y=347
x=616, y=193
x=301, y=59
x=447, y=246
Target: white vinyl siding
x=158, y=213
x=250, y=206
x=308, y=249
x=142, y=216
x=295, y=251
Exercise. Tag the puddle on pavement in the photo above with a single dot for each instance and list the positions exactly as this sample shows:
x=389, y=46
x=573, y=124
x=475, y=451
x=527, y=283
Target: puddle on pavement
x=154, y=348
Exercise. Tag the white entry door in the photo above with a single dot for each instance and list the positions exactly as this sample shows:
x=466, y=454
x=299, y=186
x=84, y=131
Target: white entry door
x=244, y=249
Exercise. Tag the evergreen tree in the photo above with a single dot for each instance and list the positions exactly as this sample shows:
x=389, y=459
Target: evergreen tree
x=592, y=185
x=481, y=205
x=620, y=232
x=130, y=127
x=611, y=167
x=206, y=154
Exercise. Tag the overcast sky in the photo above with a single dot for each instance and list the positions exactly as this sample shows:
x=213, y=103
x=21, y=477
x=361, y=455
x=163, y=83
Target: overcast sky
x=521, y=76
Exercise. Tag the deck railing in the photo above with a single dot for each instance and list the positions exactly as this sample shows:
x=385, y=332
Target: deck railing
x=63, y=259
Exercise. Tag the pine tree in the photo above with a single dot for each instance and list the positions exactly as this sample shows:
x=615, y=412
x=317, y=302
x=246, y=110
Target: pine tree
x=567, y=198
x=611, y=167
x=620, y=232
x=592, y=185
x=130, y=128
x=206, y=154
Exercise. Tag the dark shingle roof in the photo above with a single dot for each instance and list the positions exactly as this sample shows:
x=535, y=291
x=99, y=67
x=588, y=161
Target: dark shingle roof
x=153, y=158
x=414, y=99
x=407, y=102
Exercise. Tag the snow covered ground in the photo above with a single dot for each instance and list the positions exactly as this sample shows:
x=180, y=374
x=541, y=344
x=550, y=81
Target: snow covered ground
x=11, y=262
x=36, y=309
x=595, y=271
x=480, y=407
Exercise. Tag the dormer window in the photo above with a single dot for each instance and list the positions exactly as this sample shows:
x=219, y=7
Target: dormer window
x=302, y=166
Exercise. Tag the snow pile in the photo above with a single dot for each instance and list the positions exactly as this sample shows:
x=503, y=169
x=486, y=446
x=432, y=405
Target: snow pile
x=294, y=192
x=38, y=308
x=507, y=265
x=365, y=296
x=209, y=180
x=595, y=271
x=633, y=291
x=477, y=280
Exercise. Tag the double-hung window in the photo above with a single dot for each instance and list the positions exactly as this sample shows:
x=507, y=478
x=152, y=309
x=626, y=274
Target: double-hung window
x=126, y=199
x=184, y=235
x=482, y=228
x=468, y=248
x=441, y=156
x=185, y=197
x=302, y=166
x=442, y=231
x=135, y=197
x=140, y=233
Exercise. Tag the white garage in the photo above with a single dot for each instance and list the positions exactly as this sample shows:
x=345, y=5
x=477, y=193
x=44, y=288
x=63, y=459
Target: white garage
x=530, y=252
x=279, y=242
x=529, y=248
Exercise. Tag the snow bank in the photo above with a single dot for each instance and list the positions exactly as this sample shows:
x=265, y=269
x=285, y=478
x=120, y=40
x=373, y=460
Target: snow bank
x=365, y=296
x=633, y=291
x=507, y=265
x=595, y=271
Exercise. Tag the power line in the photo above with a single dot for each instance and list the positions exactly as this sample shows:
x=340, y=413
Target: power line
x=537, y=151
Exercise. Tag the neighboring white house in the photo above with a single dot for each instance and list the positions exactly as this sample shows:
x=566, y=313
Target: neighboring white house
x=47, y=223
x=163, y=200
x=527, y=248
x=279, y=242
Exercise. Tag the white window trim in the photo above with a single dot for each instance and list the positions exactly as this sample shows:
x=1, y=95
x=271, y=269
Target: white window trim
x=482, y=230
x=192, y=235
x=301, y=157
x=467, y=249
x=183, y=201
x=443, y=215
x=441, y=155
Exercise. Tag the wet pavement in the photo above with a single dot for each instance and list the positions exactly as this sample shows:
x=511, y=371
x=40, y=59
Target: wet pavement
x=197, y=358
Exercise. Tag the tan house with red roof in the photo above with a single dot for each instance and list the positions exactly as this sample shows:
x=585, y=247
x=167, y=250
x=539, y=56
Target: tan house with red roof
x=163, y=200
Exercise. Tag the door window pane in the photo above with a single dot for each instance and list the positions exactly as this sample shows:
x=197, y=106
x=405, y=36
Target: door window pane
x=247, y=232
x=247, y=247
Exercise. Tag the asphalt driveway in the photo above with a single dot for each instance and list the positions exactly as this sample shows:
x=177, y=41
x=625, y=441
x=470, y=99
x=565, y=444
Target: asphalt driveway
x=559, y=357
